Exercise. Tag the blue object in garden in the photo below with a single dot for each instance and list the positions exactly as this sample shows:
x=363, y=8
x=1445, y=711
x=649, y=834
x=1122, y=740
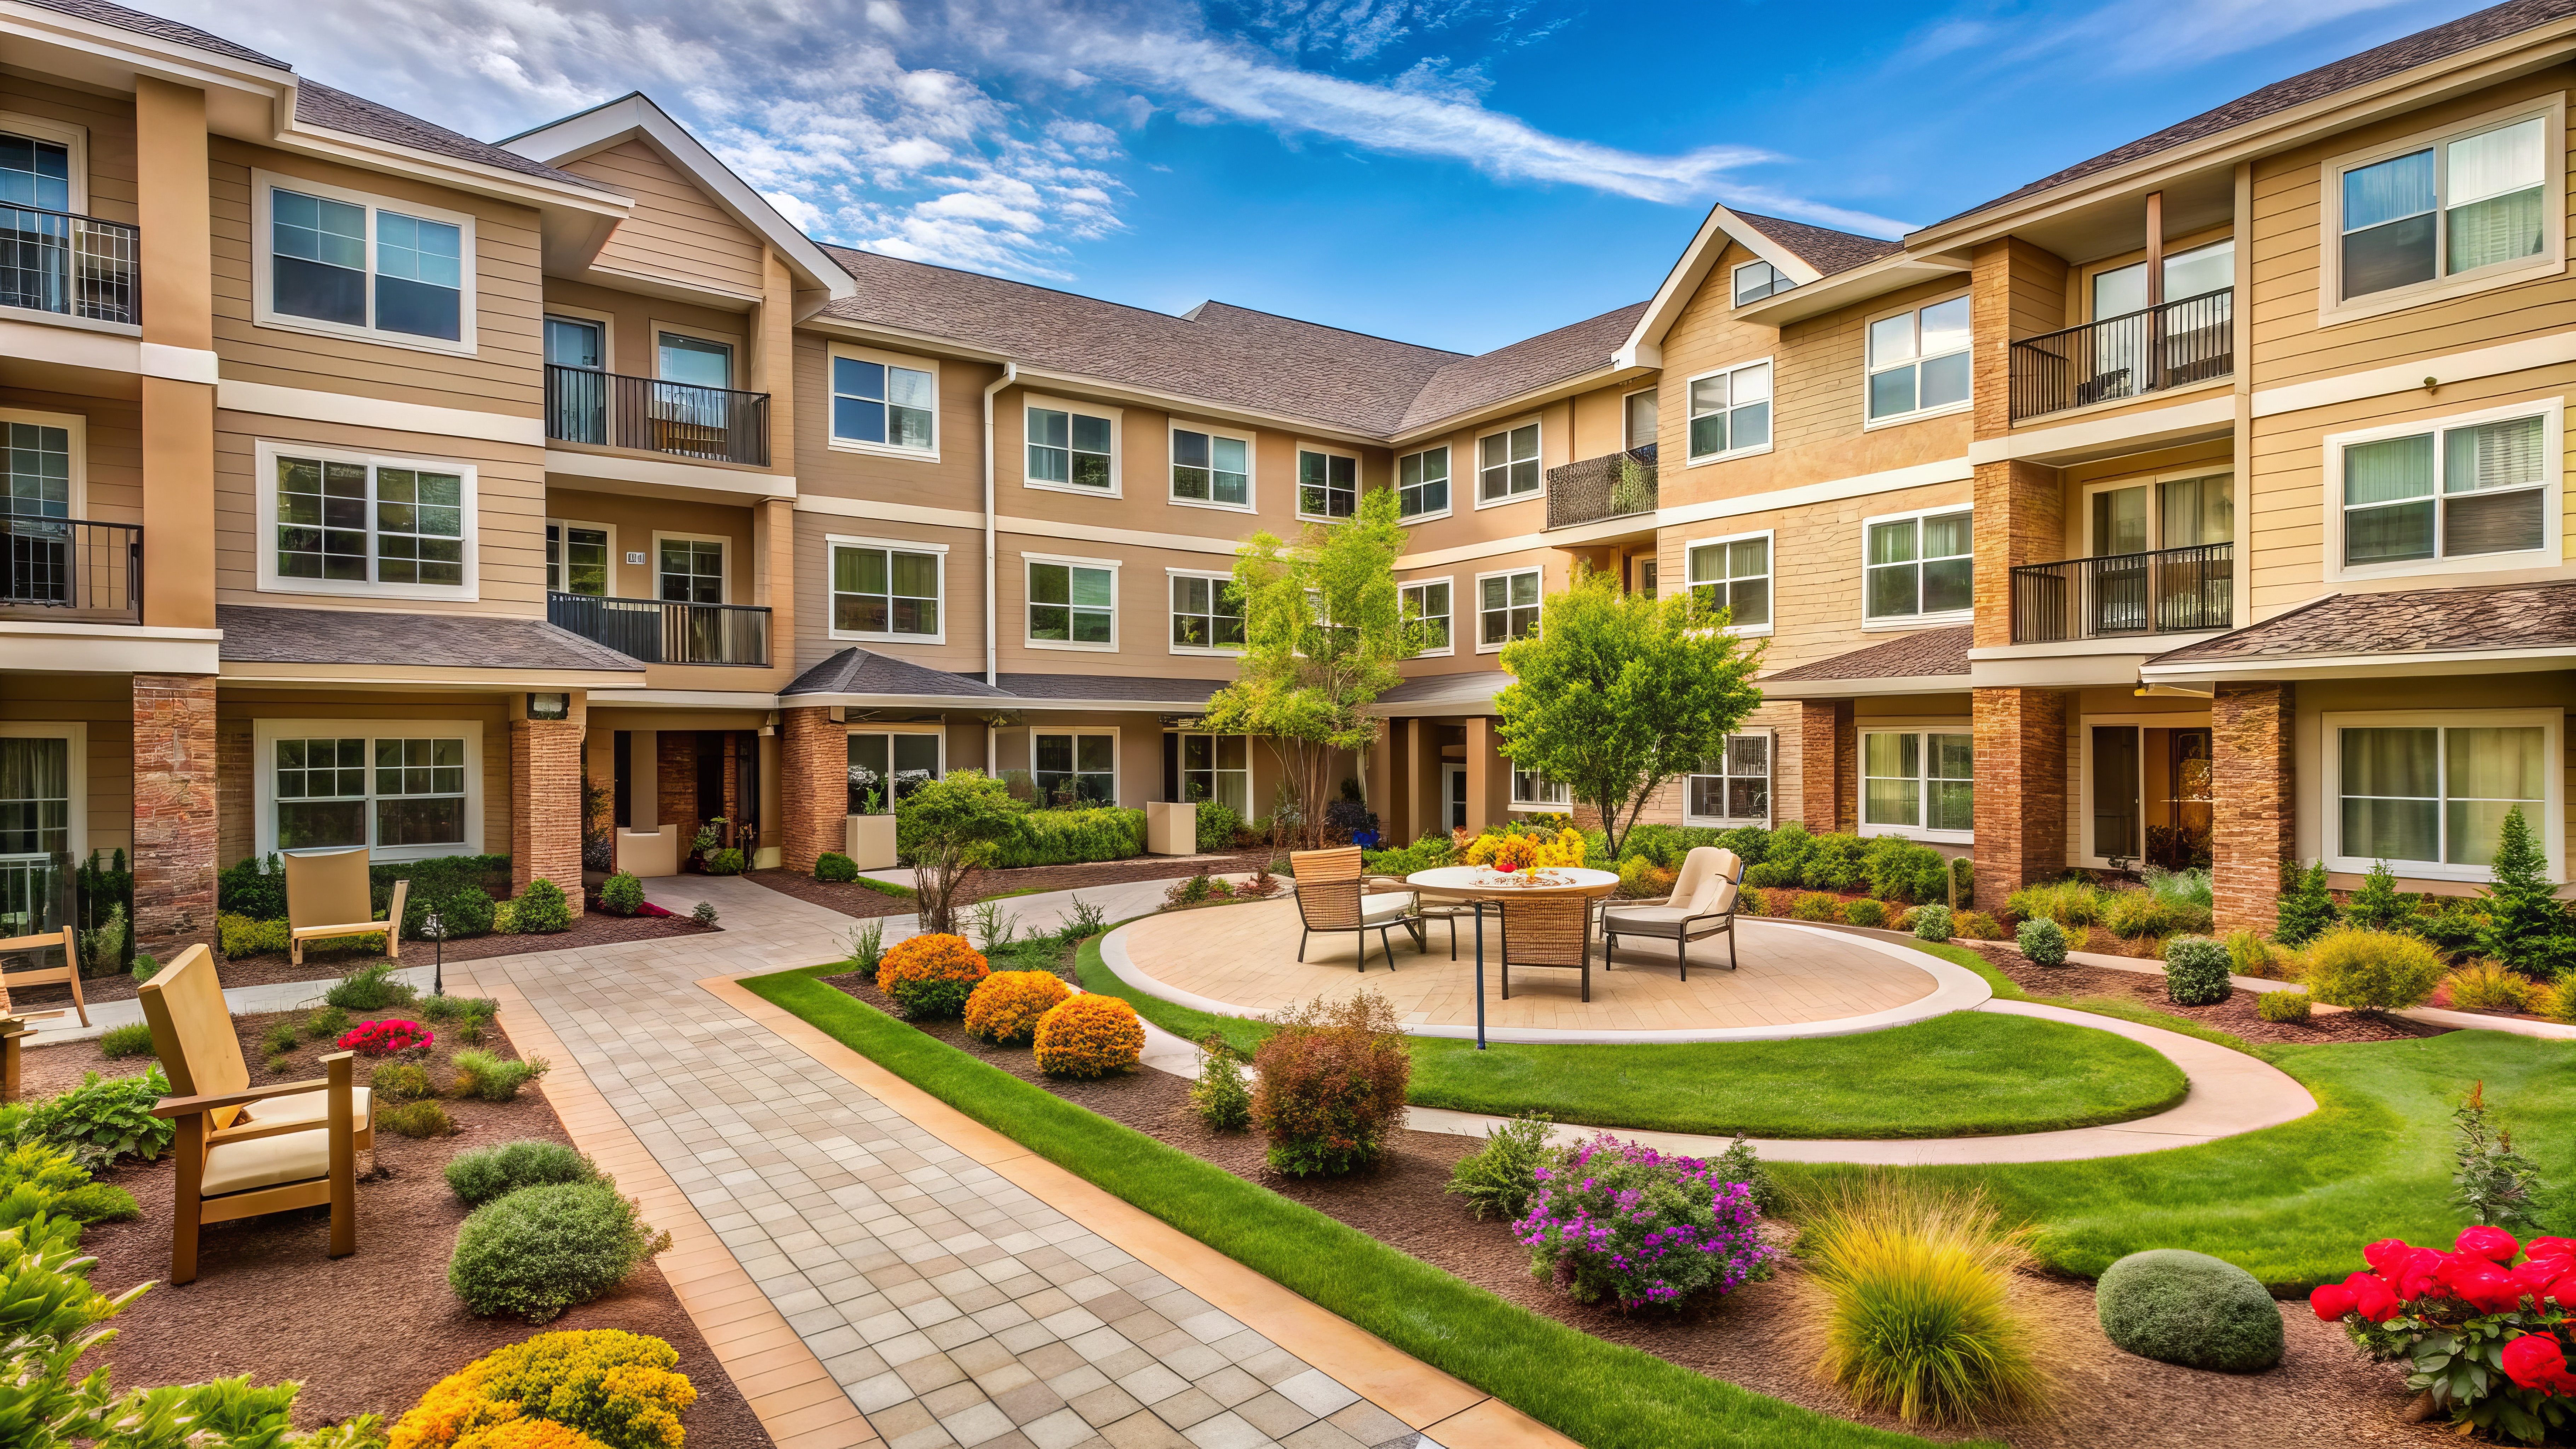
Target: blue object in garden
x=1364, y=839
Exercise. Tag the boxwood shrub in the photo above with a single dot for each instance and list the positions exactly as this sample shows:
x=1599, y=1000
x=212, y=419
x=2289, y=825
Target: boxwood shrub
x=544, y=1249
x=2196, y=971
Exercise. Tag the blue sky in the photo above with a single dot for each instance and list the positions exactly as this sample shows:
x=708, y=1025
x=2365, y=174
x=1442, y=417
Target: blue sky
x=1461, y=173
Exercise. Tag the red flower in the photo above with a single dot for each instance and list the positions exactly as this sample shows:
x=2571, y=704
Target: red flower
x=2561, y=1251
x=2539, y=1361
x=2331, y=1301
x=2386, y=1254
x=2563, y=1288
x=2372, y=1298
x=2534, y=1277
x=2418, y=1273
x=2480, y=1284
x=2493, y=1244
x=384, y=1038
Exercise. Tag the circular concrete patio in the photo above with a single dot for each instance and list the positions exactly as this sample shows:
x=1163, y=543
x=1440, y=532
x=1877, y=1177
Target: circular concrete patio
x=1792, y=980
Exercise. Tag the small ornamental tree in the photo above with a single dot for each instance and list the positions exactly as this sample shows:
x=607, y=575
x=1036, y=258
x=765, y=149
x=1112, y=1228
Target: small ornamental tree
x=2528, y=928
x=2378, y=905
x=951, y=828
x=1618, y=694
x=2307, y=907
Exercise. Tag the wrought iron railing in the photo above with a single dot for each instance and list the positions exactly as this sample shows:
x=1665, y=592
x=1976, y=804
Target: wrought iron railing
x=716, y=424
x=72, y=266
x=666, y=633
x=2175, y=345
x=1614, y=485
x=2170, y=591
x=72, y=568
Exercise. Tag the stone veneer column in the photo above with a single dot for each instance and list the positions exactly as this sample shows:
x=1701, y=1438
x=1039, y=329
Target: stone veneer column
x=175, y=819
x=813, y=786
x=1826, y=741
x=2021, y=789
x=2254, y=816
x=546, y=804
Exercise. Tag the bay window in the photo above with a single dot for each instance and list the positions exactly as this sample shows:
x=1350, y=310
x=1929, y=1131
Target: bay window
x=1918, y=782
x=2479, y=488
x=1735, y=787
x=1918, y=361
x=1918, y=567
x=2428, y=791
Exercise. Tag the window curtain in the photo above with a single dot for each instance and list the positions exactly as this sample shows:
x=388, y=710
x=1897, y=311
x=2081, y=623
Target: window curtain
x=2483, y=461
x=2489, y=772
x=35, y=796
x=2391, y=794
x=2496, y=193
x=2199, y=511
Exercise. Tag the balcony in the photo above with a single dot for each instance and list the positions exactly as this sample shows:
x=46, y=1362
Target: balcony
x=665, y=633
x=681, y=420
x=1615, y=485
x=71, y=266
x=2170, y=591
x=72, y=571
x=2154, y=350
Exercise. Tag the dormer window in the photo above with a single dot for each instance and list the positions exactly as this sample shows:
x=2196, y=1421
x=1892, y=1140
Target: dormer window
x=1757, y=280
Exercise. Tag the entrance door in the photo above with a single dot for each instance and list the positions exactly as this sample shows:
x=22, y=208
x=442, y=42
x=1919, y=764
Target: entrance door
x=1453, y=790
x=2114, y=792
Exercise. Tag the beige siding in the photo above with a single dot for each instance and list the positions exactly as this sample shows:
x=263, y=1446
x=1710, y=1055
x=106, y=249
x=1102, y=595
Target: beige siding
x=109, y=124
x=676, y=232
x=636, y=520
x=961, y=611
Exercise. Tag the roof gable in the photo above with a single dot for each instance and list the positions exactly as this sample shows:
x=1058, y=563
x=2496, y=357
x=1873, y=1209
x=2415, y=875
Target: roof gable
x=1801, y=252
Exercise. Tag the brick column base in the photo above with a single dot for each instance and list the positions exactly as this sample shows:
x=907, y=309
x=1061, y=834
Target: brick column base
x=2021, y=790
x=175, y=820
x=545, y=806
x=813, y=786
x=2254, y=820
x=1827, y=761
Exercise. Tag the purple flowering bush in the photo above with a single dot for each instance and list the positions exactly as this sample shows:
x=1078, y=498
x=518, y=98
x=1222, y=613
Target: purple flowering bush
x=1621, y=1222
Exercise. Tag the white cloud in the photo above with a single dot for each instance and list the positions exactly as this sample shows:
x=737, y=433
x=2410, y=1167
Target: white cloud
x=2134, y=35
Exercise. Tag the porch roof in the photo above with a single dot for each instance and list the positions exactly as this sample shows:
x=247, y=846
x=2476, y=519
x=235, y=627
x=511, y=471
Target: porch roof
x=1926, y=659
x=2481, y=619
x=260, y=634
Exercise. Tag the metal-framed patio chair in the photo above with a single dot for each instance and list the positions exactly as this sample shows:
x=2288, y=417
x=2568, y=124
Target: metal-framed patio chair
x=1702, y=903
x=1333, y=896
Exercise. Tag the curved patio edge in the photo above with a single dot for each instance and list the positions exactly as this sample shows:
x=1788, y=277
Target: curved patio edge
x=1955, y=988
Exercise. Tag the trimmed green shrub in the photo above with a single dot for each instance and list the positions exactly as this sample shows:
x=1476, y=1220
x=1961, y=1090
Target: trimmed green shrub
x=134, y=1039
x=481, y=1074
x=1054, y=837
x=543, y=908
x=1751, y=844
x=622, y=894
x=254, y=887
x=2454, y=928
x=727, y=861
x=1834, y=864
x=1977, y=926
x=1433, y=850
x=2190, y=1309
x=505, y=918
x=831, y=866
x=2196, y=971
x=146, y=966
x=1816, y=906
x=1900, y=870
x=1790, y=846
x=488, y=1174
x=543, y=1249
x=241, y=936
x=1769, y=875
x=463, y=912
x=2290, y=1007
x=417, y=1119
x=1218, y=825
x=2042, y=940
x=1502, y=1176
x=1223, y=1101
x=1865, y=912
x=2307, y=906
x=1932, y=923
x=2372, y=970
x=371, y=988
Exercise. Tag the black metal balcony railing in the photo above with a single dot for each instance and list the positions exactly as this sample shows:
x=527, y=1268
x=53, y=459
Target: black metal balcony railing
x=664, y=633
x=717, y=424
x=72, y=266
x=2165, y=347
x=2170, y=591
x=1614, y=485
x=73, y=569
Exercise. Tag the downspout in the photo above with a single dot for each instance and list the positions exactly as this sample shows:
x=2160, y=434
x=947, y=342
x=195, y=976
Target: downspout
x=992, y=631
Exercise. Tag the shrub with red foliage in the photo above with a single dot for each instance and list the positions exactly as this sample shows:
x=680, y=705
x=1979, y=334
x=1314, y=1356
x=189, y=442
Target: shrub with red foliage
x=384, y=1038
x=1333, y=1079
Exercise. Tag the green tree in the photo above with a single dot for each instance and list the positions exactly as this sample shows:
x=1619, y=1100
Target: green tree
x=1617, y=694
x=2307, y=906
x=947, y=830
x=2527, y=927
x=1322, y=631
x=2378, y=905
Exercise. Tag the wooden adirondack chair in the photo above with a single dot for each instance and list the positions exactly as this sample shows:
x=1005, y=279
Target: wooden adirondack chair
x=245, y=1150
x=67, y=974
x=328, y=894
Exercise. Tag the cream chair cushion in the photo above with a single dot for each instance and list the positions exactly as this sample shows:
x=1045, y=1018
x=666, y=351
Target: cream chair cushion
x=267, y=1161
x=1385, y=906
x=1699, y=867
x=313, y=1107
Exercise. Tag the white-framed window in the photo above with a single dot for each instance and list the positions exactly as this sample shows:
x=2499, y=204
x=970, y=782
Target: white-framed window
x=2428, y=790
x=338, y=522
x=1328, y=483
x=1918, y=568
x=44, y=813
x=885, y=403
x=1919, y=783
x=2460, y=494
x=887, y=765
x=1735, y=787
x=43, y=163
x=1734, y=573
x=581, y=558
x=2474, y=205
x=342, y=262
x=2189, y=509
x=1072, y=602
x=887, y=590
x=1507, y=608
x=1536, y=792
x=1730, y=412
x=47, y=458
x=1428, y=602
x=1422, y=483
x=1757, y=280
x=689, y=568
x=1507, y=465
x=1918, y=361
x=1207, y=613
x=1637, y=419
x=693, y=357
x=1211, y=467
x=405, y=789
x=1074, y=766
x=1072, y=447
x=1218, y=768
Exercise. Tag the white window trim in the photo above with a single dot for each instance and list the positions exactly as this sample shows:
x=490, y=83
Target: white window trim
x=1740, y=631
x=1117, y=446
x=1734, y=290
x=1770, y=793
x=1297, y=480
x=1212, y=576
x=1117, y=754
x=77, y=425
x=737, y=350
x=1182, y=767
x=653, y=560
x=1898, y=420
x=839, y=444
x=1476, y=465
x=1397, y=483
x=2155, y=512
x=1520, y=806
x=1733, y=453
x=72, y=138
x=2553, y=809
x=1860, y=774
x=264, y=272
x=1624, y=398
x=832, y=541
x=2551, y=412
x=1477, y=613
x=77, y=733
x=266, y=454
x=1451, y=648
x=1872, y=623
x=605, y=321
x=1110, y=564
x=608, y=528
x=265, y=733
x=1251, y=466
x=938, y=732
x=2332, y=311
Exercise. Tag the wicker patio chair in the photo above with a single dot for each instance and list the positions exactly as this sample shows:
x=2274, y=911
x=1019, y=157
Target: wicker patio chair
x=1333, y=896
x=1552, y=930
x=1702, y=904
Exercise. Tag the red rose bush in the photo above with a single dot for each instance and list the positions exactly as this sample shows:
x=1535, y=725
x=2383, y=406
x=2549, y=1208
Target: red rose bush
x=2485, y=1335
x=384, y=1038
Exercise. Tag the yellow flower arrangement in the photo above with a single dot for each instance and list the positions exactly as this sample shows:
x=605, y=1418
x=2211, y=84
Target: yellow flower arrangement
x=1508, y=852
x=579, y=1389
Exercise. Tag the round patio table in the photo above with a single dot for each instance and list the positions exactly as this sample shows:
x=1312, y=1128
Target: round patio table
x=1477, y=882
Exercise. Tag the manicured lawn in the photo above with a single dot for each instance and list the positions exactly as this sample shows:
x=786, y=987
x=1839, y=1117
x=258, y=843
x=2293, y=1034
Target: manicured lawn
x=1603, y=1395
x=1965, y=1074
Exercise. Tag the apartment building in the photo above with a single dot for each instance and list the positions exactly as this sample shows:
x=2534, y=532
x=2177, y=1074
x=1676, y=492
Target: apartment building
x=371, y=484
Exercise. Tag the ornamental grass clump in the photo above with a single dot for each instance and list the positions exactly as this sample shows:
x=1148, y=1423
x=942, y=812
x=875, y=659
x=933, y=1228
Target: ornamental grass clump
x=1621, y=1223
x=1004, y=1007
x=1502, y=1176
x=930, y=976
x=542, y=1250
x=1088, y=1036
x=2486, y=986
x=492, y=1078
x=1333, y=1079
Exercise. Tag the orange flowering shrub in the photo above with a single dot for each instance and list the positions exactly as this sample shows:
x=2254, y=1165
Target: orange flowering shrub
x=931, y=975
x=528, y=1434
x=1089, y=1036
x=1005, y=1008
x=582, y=1389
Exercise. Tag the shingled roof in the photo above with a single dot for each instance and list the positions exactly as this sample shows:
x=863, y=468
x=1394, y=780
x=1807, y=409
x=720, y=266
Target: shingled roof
x=159, y=29
x=1821, y=247
x=2407, y=621
x=1931, y=653
x=858, y=671
x=321, y=105
x=1524, y=366
x=258, y=634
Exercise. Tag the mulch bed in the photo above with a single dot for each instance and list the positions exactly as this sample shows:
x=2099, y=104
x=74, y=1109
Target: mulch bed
x=851, y=899
x=2236, y=1015
x=2323, y=1392
x=365, y=1334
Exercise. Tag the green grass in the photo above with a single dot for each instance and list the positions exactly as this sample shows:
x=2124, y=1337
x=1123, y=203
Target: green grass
x=1964, y=1074
x=2006, y=989
x=886, y=888
x=1604, y=1395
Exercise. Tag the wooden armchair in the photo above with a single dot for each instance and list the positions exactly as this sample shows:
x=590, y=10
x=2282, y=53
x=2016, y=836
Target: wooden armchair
x=67, y=974
x=245, y=1150
x=1333, y=896
x=328, y=894
x=1553, y=930
x=1702, y=903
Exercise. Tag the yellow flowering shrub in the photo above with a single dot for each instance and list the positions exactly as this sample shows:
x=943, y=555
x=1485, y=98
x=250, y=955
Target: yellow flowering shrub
x=931, y=976
x=1089, y=1036
x=1005, y=1007
x=1507, y=851
x=528, y=1434
x=601, y=1388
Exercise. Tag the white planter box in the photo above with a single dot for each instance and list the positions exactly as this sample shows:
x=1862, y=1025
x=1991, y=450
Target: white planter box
x=649, y=854
x=1171, y=827
x=869, y=840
